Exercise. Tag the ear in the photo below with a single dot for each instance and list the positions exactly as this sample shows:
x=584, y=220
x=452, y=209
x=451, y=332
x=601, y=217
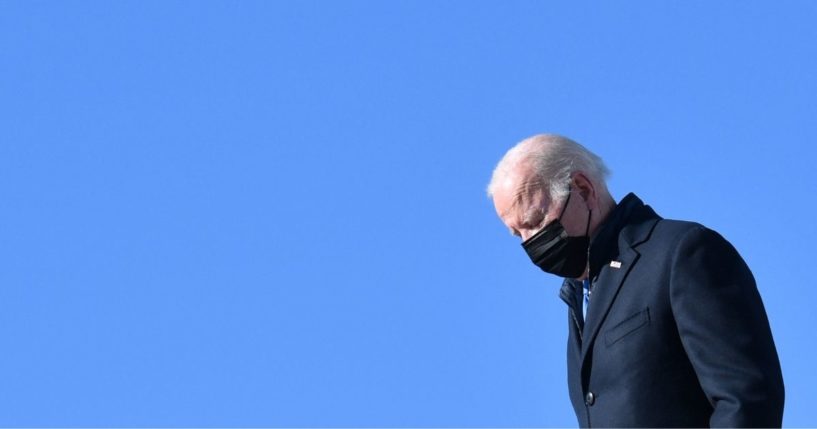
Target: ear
x=586, y=189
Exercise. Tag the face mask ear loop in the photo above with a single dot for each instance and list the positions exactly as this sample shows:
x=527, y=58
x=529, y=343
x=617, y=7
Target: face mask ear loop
x=567, y=201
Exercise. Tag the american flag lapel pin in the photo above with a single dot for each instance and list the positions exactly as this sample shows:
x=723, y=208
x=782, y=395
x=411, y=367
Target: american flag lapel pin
x=615, y=264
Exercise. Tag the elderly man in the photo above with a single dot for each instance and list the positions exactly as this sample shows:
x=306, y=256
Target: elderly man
x=667, y=328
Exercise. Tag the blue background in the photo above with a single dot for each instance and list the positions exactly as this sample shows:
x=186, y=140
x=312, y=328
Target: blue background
x=273, y=213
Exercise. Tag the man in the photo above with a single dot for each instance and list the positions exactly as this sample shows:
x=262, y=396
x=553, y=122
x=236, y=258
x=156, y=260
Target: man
x=667, y=328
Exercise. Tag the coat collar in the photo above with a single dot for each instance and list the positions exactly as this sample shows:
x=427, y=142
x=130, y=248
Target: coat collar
x=623, y=227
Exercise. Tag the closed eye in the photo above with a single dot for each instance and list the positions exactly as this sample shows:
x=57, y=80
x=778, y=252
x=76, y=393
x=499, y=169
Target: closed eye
x=534, y=224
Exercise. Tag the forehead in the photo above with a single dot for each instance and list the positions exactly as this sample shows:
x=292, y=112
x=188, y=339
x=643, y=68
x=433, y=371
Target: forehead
x=517, y=194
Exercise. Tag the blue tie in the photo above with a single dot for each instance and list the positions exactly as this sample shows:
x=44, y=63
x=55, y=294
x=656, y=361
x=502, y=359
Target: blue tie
x=586, y=287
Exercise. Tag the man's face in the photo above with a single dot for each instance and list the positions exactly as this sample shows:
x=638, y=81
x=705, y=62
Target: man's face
x=524, y=213
x=525, y=207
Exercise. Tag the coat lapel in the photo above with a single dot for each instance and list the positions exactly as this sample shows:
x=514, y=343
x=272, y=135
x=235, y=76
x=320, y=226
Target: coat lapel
x=604, y=293
x=611, y=278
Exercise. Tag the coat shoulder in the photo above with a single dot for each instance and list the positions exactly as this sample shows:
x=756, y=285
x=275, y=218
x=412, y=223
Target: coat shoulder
x=671, y=227
x=672, y=231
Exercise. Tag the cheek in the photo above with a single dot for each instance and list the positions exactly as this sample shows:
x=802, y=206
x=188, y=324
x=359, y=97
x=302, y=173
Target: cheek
x=576, y=224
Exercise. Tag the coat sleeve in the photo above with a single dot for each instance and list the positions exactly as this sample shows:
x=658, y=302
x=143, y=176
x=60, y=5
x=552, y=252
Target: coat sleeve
x=725, y=331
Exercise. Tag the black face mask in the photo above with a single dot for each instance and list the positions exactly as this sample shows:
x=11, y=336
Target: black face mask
x=552, y=250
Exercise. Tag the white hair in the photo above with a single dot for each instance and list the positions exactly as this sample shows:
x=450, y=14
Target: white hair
x=553, y=159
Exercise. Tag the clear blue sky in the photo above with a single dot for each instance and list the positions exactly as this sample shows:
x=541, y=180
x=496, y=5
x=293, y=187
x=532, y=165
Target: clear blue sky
x=273, y=213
